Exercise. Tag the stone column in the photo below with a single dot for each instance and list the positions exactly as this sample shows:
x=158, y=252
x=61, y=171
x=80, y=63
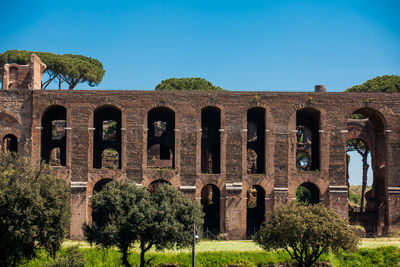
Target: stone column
x=234, y=217
x=78, y=209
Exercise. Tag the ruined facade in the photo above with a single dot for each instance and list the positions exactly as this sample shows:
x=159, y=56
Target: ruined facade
x=237, y=153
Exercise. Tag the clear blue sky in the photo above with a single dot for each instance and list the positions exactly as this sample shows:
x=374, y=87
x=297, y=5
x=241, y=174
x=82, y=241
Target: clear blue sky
x=238, y=45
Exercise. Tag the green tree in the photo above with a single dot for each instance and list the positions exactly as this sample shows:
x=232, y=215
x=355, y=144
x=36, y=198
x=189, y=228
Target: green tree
x=68, y=68
x=123, y=214
x=305, y=232
x=187, y=84
x=384, y=84
x=303, y=194
x=34, y=210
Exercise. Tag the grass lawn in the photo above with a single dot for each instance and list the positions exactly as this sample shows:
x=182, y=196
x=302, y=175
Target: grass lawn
x=248, y=245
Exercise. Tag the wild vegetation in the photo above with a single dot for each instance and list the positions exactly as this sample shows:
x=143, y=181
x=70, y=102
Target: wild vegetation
x=34, y=210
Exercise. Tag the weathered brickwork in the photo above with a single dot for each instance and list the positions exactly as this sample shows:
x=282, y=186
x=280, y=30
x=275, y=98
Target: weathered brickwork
x=22, y=111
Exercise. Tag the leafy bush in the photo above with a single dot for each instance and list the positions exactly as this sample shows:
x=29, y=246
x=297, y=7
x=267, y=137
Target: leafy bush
x=306, y=232
x=73, y=257
x=34, y=210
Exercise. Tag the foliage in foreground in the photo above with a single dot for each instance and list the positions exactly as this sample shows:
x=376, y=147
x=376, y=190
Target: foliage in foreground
x=68, y=68
x=383, y=256
x=34, y=210
x=306, y=232
x=187, y=84
x=122, y=214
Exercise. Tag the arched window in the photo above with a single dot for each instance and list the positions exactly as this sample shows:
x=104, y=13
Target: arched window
x=308, y=143
x=367, y=149
x=53, y=135
x=256, y=140
x=255, y=209
x=155, y=184
x=107, y=138
x=210, y=140
x=99, y=186
x=308, y=193
x=10, y=143
x=161, y=138
x=210, y=201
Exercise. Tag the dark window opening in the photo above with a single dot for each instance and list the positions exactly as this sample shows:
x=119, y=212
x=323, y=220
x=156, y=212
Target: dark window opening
x=100, y=185
x=13, y=73
x=210, y=140
x=210, y=197
x=161, y=138
x=307, y=193
x=10, y=143
x=53, y=138
x=255, y=209
x=308, y=143
x=256, y=140
x=107, y=138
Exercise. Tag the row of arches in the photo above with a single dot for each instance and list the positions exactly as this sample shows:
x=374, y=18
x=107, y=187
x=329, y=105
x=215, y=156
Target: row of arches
x=160, y=138
x=212, y=206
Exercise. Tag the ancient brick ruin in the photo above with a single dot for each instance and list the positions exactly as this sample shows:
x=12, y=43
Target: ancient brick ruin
x=238, y=153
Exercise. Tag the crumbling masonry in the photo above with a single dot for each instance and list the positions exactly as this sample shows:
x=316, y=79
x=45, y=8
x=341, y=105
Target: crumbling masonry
x=238, y=153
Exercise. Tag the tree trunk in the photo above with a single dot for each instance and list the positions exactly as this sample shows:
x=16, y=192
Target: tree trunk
x=125, y=258
x=364, y=177
x=142, y=251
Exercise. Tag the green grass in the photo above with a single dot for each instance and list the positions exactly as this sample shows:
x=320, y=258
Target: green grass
x=373, y=252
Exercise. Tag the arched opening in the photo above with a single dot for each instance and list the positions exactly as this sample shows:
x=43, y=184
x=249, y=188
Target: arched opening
x=161, y=138
x=256, y=140
x=210, y=140
x=106, y=136
x=366, y=157
x=308, y=143
x=10, y=143
x=210, y=199
x=53, y=135
x=255, y=209
x=110, y=159
x=153, y=186
x=308, y=193
x=13, y=74
x=99, y=186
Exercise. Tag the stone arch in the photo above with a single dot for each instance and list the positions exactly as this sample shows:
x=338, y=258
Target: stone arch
x=53, y=134
x=255, y=214
x=107, y=133
x=161, y=138
x=256, y=140
x=210, y=140
x=311, y=193
x=371, y=130
x=308, y=122
x=210, y=202
x=99, y=185
x=156, y=183
x=10, y=143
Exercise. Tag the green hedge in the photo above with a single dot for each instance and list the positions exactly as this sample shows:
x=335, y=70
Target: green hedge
x=385, y=256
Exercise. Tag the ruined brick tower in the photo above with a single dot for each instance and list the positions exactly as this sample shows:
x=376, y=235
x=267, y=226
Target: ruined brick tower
x=238, y=153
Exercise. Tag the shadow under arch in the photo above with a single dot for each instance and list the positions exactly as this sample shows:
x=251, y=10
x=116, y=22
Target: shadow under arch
x=99, y=186
x=210, y=202
x=255, y=214
x=10, y=143
x=107, y=133
x=53, y=134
